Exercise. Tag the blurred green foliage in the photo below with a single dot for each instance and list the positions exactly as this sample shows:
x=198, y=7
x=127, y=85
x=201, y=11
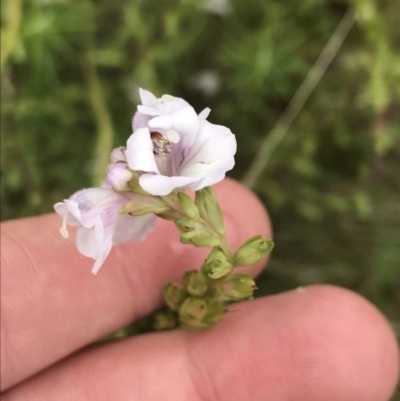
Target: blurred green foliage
x=69, y=84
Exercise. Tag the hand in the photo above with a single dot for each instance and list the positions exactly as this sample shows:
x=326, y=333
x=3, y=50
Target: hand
x=322, y=343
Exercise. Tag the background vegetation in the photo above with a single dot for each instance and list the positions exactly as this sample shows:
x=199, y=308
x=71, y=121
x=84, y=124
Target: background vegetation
x=70, y=72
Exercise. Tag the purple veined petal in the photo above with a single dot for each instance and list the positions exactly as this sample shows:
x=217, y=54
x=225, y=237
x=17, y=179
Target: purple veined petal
x=146, y=97
x=184, y=121
x=99, y=234
x=212, y=142
x=139, y=152
x=93, y=201
x=161, y=185
x=204, y=113
x=128, y=228
x=85, y=242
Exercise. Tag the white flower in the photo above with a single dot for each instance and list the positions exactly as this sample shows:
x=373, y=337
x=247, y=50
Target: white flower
x=174, y=147
x=100, y=226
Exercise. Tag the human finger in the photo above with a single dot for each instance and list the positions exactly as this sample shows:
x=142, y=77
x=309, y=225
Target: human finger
x=52, y=305
x=320, y=343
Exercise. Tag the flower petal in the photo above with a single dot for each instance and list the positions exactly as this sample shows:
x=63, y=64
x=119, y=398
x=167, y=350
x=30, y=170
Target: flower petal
x=73, y=219
x=140, y=121
x=146, y=96
x=128, y=228
x=161, y=185
x=170, y=104
x=212, y=142
x=183, y=121
x=118, y=155
x=103, y=232
x=148, y=111
x=93, y=201
x=204, y=113
x=139, y=152
x=101, y=256
x=85, y=242
x=211, y=173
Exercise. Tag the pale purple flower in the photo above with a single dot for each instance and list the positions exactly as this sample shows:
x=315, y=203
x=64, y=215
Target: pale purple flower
x=95, y=211
x=118, y=173
x=174, y=147
x=118, y=176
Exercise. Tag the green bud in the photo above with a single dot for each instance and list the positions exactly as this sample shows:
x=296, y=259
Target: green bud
x=252, y=251
x=236, y=287
x=144, y=204
x=186, y=225
x=188, y=206
x=209, y=209
x=174, y=295
x=217, y=264
x=200, y=240
x=195, y=233
x=195, y=282
x=172, y=200
x=165, y=320
x=199, y=314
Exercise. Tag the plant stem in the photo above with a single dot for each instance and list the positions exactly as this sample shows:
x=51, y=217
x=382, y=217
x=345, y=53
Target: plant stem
x=10, y=29
x=226, y=248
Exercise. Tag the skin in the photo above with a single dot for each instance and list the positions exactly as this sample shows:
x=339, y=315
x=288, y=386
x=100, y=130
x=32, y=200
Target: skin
x=317, y=343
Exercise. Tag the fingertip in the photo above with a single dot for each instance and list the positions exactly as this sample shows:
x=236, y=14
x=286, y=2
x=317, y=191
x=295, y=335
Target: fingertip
x=359, y=342
x=320, y=342
x=340, y=346
x=128, y=286
x=243, y=208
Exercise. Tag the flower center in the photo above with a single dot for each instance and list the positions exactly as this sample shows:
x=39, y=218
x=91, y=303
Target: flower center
x=162, y=145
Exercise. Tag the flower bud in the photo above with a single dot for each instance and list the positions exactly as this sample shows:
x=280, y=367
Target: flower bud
x=252, y=251
x=209, y=209
x=195, y=233
x=118, y=155
x=186, y=225
x=144, y=204
x=119, y=175
x=236, y=287
x=195, y=282
x=199, y=240
x=188, y=206
x=165, y=320
x=174, y=295
x=199, y=314
x=217, y=264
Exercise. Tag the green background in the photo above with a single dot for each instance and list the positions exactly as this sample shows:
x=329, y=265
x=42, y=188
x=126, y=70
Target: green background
x=70, y=73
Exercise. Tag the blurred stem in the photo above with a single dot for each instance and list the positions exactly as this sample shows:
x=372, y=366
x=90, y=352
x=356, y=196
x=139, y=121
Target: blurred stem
x=296, y=104
x=380, y=127
x=105, y=132
x=9, y=32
